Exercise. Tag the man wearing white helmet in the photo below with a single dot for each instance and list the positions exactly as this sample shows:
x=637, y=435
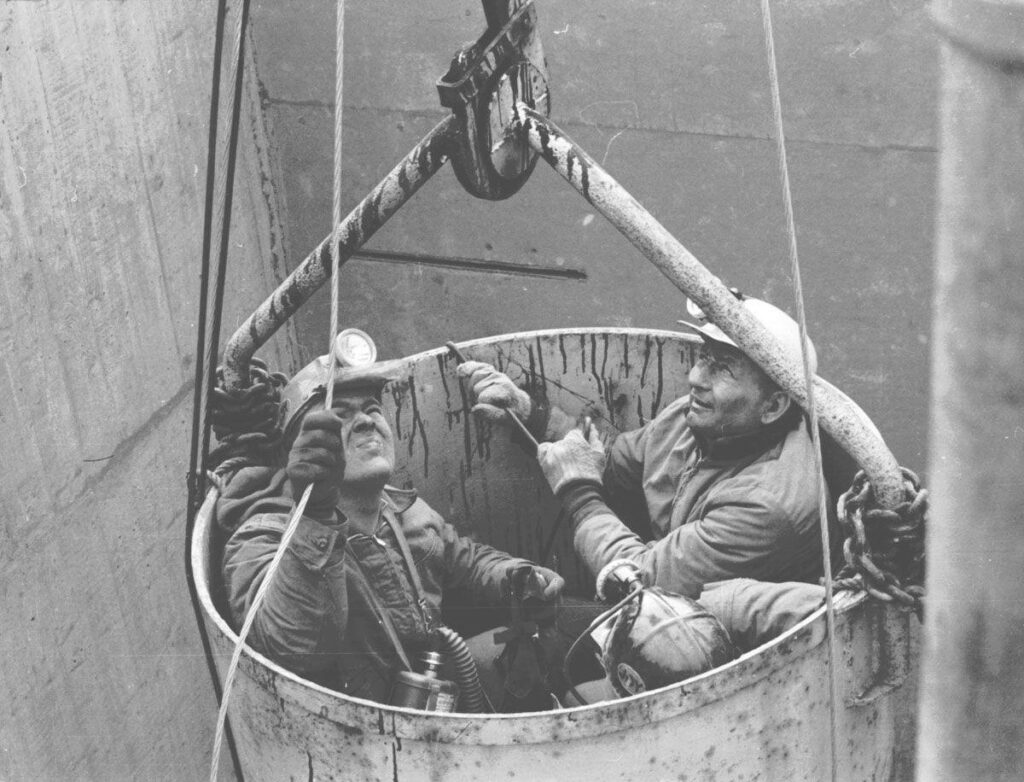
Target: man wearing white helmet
x=721, y=485
x=363, y=578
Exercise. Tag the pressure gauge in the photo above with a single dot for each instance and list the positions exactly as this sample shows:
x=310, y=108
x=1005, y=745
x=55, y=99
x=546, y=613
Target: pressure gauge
x=353, y=348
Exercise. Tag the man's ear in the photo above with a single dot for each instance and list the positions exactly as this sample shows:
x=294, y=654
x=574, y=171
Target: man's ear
x=774, y=406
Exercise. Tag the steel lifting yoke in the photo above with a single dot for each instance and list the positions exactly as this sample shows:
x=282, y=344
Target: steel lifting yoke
x=484, y=83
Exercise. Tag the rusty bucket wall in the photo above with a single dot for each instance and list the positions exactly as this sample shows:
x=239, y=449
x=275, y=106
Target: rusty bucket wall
x=764, y=716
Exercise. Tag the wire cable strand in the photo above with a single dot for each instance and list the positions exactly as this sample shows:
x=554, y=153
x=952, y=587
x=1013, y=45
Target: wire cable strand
x=826, y=546
x=300, y=508
x=336, y=216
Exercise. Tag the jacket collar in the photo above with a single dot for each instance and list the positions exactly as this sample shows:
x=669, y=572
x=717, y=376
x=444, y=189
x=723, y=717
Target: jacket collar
x=736, y=447
x=399, y=500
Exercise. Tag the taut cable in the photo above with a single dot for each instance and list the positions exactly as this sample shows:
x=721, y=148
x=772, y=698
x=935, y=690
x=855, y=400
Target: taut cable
x=826, y=547
x=300, y=508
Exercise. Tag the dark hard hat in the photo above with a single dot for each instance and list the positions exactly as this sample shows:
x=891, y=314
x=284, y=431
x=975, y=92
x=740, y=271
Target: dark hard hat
x=660, y=638
x=308, y=386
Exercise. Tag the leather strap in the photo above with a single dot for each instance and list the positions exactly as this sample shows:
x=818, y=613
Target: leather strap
x=410, y=566
x=380, y=610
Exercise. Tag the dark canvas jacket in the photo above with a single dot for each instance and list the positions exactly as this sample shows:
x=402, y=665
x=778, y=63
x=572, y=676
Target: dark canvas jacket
x=316, y=618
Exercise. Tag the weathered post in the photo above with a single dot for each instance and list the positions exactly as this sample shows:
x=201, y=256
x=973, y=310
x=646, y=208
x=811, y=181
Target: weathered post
x=972, y=704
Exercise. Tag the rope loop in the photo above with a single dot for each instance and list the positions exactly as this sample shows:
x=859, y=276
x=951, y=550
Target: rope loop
x=884, y=548
x=247, y=421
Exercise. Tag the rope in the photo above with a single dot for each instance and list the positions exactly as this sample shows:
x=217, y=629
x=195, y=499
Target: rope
x=204, y=280
x=237, y=74
x=826, y=547
x=198, y=456
x=226, y=185
x=257, y=601
x=300, y=508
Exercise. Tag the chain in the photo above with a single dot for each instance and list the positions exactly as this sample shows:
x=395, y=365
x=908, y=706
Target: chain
x=884, y=549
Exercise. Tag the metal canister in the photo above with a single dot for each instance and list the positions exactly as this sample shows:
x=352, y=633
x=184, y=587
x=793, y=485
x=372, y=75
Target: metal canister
x=427, y=690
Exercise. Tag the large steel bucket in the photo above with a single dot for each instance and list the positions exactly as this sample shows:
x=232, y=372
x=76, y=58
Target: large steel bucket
x=764, y=716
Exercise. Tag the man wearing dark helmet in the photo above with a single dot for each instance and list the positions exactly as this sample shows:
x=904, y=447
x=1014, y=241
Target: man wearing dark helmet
x=360, y=587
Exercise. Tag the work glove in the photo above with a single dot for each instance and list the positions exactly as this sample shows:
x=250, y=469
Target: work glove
x=543, y=584
x=317, y=458
x=494, y=392
x=573, y=459
x=533, y=649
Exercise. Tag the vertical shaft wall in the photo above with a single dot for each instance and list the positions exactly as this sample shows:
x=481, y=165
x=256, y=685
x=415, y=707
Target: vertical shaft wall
x=103, y=131
x=972, y=716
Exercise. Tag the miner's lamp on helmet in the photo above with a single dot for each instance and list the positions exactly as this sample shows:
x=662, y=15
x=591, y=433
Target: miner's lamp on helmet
x=355, y=369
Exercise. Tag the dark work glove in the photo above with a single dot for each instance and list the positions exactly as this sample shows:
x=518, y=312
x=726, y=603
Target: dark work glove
x=544, y=584
x=317, y=458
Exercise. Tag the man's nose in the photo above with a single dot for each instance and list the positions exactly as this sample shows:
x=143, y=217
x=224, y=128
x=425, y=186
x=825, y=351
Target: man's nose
x=362, y=421
x=698, y=375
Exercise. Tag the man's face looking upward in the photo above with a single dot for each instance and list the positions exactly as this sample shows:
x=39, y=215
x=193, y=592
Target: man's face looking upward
x=367, y=442
x=729, y=394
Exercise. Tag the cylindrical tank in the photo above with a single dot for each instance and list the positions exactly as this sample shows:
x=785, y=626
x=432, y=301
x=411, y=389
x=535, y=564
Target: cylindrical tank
x=763, y=716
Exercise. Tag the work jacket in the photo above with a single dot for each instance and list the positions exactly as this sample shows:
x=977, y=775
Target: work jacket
x=744, y=507
x=317, y=618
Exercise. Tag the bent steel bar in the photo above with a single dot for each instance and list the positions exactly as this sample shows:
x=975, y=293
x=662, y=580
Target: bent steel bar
x=838, y=415
x=425, y=159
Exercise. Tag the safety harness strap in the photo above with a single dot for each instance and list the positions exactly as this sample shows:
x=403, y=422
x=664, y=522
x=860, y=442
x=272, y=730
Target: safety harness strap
x=378, y=609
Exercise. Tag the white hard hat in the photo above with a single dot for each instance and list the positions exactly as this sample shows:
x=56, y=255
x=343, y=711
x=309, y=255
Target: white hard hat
x=785, y=330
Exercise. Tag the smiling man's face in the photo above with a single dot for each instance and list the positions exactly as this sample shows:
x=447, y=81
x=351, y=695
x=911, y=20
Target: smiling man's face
x=729, y=394
x=367, y=441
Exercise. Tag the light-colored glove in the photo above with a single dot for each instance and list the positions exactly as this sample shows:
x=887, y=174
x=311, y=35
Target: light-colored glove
x=494, y=392
x=573, y=459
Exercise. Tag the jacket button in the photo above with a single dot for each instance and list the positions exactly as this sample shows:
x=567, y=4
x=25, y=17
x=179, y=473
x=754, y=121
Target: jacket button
x=321, y=543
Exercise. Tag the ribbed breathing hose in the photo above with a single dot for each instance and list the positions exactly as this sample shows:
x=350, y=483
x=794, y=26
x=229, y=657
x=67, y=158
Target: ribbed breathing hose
x=472, y=698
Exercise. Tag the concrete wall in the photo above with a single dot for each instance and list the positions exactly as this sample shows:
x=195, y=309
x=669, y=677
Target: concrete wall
x=103, y=117
x=673, y=99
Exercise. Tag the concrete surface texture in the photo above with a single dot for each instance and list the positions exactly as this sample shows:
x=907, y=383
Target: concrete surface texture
x=673, y=99
x=103, y=114
x=103, y=117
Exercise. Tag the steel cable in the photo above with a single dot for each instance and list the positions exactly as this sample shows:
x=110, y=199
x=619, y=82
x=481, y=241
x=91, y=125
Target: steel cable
x=300, y=508
x=826, y=547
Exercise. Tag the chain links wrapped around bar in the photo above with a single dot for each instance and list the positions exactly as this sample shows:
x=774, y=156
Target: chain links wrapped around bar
x=884, y=549
x=246, y=422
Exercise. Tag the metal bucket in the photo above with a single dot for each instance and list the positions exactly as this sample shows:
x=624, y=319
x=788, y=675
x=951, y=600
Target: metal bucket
x=764, y=716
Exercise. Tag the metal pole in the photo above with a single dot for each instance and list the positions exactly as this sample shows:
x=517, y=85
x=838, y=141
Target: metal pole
x=400, y=184
x=972, y=702
x=837, y=413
